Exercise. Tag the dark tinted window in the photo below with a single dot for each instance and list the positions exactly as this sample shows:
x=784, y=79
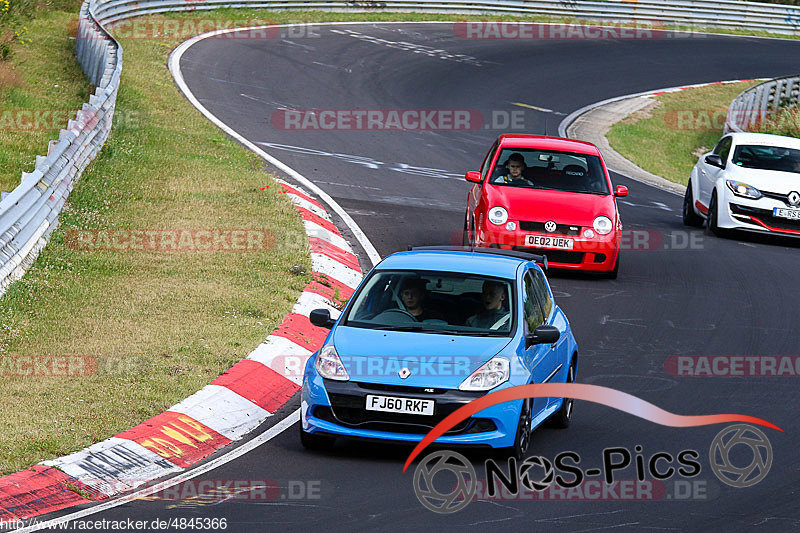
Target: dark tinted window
x=767, y=158
x=542, y=293
x=488, y=161
x=723, y=148
x=533, y=311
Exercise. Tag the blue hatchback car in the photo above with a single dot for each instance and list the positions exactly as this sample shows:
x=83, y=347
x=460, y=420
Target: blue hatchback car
x=430, y=330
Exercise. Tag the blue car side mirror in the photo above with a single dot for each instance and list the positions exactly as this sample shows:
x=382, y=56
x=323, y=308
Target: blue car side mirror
x=321, y=318
x=542, y=335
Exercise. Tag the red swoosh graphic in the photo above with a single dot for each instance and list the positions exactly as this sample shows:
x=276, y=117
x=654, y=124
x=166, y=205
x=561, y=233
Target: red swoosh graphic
x=590, y=393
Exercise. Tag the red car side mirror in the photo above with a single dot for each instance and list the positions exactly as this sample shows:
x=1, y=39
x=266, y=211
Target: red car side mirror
x=621, y=191
x=474, y=176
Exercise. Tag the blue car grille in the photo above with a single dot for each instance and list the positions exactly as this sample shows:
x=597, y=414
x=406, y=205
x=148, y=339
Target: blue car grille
x=348, y=408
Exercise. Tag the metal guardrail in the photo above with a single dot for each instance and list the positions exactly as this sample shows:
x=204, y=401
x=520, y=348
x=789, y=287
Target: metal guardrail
x=752, y=107
x=29, y=214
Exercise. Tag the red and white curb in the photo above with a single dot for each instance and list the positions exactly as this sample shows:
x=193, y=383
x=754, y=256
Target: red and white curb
x=222, y=412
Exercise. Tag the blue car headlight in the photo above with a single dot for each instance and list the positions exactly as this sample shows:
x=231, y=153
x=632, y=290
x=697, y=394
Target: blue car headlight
x=742, y=189
x=491, y=374
x=329, y=365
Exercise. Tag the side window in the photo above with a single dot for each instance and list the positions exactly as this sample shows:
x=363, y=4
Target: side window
x=533, y=311
x=723, y=148
x=488, y=161
x=542, y=293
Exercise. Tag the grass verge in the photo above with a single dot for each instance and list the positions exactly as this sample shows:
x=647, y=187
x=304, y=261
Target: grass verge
x=667, y=137
x=158, y=325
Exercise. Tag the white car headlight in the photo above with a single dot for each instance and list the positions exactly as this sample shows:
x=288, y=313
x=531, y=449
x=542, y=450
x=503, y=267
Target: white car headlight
x=498, y=215
x=602, y=225
x=329, y=365
x=491, y=374
x=742, y=189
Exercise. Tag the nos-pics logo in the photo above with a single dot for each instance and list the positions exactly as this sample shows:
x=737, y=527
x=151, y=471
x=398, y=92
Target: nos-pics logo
x=456, y=488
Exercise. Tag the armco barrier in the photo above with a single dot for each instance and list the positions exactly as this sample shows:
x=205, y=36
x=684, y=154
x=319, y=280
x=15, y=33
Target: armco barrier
x=30, y=213
x=752, y=106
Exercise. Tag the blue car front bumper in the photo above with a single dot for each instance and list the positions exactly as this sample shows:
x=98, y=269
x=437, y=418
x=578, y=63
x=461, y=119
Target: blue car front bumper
x=338, y=408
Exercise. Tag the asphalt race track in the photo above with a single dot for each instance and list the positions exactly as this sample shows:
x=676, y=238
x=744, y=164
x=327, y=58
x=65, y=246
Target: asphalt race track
x=695, y=295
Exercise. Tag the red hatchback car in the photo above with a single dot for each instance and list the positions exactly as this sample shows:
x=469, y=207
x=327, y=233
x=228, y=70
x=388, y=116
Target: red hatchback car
x=546, y=195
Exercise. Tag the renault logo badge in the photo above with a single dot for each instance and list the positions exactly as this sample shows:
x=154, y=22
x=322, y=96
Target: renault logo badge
x=794, y=198
x=404, y=373
x=550, y=226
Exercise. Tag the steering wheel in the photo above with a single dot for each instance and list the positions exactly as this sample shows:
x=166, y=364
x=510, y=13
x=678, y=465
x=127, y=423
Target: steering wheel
x=396, y=311
x=503, y=319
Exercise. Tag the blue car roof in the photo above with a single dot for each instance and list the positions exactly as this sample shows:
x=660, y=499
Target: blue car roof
x=453, y=261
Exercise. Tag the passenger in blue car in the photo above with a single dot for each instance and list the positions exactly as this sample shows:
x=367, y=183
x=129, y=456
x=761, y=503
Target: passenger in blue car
x=494, y=314
x=413, y=293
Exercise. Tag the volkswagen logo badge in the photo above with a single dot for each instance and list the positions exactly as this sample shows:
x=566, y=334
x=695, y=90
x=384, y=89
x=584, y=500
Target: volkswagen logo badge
x=550, y=226
x=404, y=373
x=794, y=198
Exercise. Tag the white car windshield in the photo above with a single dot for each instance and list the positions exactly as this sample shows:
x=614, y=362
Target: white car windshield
x=767, y=158
x=434, y=302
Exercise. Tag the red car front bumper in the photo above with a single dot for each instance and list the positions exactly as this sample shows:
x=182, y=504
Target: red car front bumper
x=598, y=254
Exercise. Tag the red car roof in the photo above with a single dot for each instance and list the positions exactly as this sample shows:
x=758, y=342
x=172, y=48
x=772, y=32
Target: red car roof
x=510, y=140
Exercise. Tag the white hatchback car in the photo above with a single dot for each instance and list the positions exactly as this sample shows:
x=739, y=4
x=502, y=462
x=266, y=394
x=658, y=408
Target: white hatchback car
x=751, y=182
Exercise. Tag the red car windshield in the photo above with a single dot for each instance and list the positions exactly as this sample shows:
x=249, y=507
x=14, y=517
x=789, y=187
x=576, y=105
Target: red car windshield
x=547, y=169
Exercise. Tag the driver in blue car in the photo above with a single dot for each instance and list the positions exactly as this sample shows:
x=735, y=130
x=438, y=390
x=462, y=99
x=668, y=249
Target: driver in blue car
x=493, y=314
x=413, y=294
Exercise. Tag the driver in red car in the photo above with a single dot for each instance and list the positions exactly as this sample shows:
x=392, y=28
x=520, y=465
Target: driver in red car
x=516, y=166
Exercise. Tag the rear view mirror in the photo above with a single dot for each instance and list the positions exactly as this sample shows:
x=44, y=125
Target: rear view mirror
x=621, y=190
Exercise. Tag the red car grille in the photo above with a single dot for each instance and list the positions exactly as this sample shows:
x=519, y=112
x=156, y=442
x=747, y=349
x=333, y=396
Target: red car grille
x=561, y=229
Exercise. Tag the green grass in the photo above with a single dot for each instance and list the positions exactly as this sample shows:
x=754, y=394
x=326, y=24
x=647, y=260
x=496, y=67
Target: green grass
x=43, y=76
x=668, y=137
x=160, y=325
x=784, y=122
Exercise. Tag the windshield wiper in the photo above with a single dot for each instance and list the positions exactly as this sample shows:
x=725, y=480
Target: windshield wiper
x=426, y=329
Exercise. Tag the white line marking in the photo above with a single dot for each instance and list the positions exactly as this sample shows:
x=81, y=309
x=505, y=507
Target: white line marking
x=268, y=435
x=175, y=69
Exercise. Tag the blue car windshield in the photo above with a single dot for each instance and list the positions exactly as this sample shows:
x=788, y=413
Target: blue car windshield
x=434, y=302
